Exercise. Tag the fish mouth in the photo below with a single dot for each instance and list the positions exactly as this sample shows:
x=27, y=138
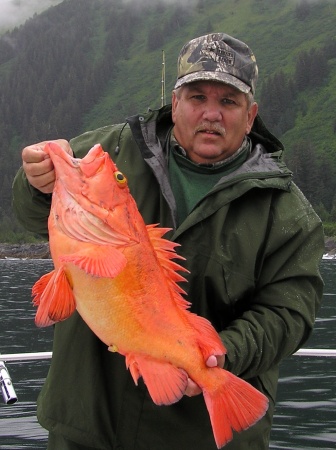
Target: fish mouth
x=92, y=162
x=80, y=208
x=56, y=152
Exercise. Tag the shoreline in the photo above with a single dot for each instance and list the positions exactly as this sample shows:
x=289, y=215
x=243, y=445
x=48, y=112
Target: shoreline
x=25, y=251
x=41, y=250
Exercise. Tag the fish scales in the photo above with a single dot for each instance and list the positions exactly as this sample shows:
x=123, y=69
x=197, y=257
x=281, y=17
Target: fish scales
x=120, y=275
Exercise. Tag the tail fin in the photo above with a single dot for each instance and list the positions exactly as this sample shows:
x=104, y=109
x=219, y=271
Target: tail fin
x=235, y=405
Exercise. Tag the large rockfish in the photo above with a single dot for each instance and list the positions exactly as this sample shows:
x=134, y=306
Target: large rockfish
x=119, y=275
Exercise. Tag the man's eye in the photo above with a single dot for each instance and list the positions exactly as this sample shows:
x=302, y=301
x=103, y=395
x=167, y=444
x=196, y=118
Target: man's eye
x=198, y=97
x=227, y=101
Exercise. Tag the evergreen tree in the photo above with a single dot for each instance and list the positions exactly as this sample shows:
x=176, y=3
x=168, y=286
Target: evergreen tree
x=303, y=162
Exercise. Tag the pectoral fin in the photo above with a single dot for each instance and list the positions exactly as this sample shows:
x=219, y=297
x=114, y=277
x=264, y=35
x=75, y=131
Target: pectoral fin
x=98, y=261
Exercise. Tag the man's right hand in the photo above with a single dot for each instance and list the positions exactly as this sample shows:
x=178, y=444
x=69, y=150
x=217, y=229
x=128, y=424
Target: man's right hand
x=38, y=166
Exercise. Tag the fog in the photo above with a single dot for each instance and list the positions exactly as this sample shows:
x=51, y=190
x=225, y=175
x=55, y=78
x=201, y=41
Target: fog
x=16, y=12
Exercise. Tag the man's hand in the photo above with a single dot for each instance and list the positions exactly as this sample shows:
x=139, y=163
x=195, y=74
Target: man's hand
x=38, y=166
x=212, y=361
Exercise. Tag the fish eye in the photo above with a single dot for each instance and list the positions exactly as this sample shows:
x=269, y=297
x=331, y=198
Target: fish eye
x=120, y=179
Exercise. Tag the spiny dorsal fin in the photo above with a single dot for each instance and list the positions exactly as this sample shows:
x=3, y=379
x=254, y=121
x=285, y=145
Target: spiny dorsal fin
x=165, y=252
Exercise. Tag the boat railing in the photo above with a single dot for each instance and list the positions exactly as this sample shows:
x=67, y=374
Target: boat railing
x=7, y=388
x=10, y=397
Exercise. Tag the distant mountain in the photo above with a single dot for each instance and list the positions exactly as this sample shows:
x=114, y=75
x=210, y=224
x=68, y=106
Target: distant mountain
x=86, y=63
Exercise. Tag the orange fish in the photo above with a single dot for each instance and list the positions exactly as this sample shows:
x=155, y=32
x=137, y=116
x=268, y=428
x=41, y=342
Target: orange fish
x=120, y=276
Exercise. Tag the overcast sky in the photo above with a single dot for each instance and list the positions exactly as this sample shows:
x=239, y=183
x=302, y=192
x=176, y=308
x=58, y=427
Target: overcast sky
x=16, y=12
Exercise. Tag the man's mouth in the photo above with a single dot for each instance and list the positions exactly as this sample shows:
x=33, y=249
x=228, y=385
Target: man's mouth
x=215, y=129
x=210, y=132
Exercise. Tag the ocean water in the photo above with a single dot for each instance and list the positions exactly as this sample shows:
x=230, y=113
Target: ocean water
x=305, y=416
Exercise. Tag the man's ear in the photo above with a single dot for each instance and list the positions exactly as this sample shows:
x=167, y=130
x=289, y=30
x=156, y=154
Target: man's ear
x=174, y=104
x=252, y=114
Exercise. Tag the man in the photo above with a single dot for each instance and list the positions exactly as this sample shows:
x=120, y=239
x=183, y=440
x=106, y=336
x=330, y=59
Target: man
x=207, y=167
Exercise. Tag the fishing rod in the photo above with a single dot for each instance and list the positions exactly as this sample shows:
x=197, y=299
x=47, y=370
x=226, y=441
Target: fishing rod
x=163, y=80
x=10, y=397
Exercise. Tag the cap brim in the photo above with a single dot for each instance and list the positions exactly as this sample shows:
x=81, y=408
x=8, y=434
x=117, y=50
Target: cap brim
x=213, y=76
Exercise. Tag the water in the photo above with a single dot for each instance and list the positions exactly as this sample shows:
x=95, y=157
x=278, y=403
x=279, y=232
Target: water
x=305, y=416
x=18, y=425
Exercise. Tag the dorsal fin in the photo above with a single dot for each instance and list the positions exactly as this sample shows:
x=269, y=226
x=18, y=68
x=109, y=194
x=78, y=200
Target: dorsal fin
x=165, y=252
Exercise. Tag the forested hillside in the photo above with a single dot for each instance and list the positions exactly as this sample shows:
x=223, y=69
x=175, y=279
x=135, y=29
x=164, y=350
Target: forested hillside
x=85, y=63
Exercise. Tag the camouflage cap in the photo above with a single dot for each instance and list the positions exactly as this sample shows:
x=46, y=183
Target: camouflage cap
x=218, y=57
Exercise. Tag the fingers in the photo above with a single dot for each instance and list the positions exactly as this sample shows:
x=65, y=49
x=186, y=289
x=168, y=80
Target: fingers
x=192, y=388
x=38, y=166
x=215, y=361
x=212, y=361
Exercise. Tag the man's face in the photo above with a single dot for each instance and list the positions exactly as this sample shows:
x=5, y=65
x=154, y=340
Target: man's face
x=211, y=120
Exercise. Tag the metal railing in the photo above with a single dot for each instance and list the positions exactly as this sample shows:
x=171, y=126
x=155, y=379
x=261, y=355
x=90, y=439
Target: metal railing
x=10, y=397
x=7, y=388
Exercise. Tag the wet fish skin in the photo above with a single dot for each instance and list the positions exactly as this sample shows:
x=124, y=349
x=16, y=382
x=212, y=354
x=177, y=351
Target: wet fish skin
x=120, y=276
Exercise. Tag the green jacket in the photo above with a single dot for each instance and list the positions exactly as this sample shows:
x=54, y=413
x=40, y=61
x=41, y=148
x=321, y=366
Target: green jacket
x=252, y=246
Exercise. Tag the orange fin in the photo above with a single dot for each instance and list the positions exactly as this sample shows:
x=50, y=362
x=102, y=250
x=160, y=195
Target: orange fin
x=208, y=339
x=41, y=299
x=63, y=303
x=40, y=286
x=54, y=298
x=165, y=252
x=132, y=365
x=105, y=262
x=236, y=405
x=166, y=383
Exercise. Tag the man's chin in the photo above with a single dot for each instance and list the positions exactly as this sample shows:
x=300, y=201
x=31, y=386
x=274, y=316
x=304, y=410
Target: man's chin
x=206, y=155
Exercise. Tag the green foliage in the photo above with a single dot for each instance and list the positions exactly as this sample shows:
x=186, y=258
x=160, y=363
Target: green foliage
x=314, y=175
x=13, y=233
x=86, y=63
x=330, y=229
x=333, y=210
x=322, y=212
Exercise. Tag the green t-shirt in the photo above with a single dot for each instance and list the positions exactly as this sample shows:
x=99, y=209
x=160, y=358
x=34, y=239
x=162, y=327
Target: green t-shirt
x=191, y=182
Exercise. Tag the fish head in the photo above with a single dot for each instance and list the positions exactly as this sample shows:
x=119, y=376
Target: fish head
x=91, y=198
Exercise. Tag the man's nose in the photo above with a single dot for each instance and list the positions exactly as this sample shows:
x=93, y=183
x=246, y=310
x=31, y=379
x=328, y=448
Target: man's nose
x=212, y=113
